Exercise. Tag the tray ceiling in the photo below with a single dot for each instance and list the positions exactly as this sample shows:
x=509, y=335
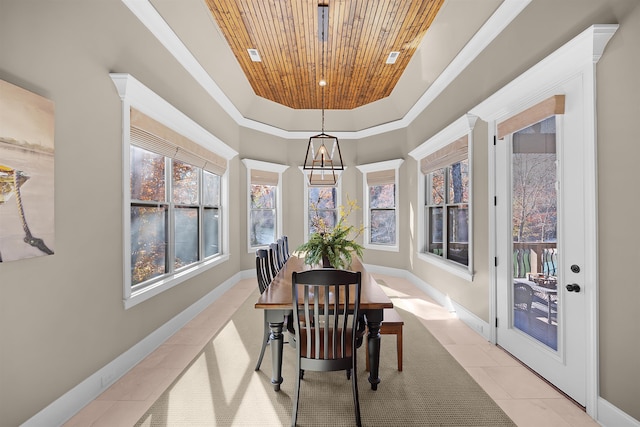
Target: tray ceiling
x=359, y=37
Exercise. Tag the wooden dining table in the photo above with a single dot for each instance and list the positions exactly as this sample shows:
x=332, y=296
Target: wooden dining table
x=277, y=301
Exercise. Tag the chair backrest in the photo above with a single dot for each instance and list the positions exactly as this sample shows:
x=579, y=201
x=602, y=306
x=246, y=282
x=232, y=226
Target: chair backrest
x=263, y=269
x=329, y=302
x=285, y=240
x=281, y=258
x=273, y=259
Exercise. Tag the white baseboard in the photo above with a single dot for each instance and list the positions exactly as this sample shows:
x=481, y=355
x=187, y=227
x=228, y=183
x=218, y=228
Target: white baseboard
x=611, y=416
x=67, y=405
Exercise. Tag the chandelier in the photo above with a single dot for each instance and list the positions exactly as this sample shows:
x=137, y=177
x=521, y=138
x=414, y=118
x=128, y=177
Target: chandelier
x=323, y=156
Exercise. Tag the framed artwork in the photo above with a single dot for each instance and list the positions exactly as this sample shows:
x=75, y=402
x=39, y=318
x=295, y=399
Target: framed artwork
x=26, y=174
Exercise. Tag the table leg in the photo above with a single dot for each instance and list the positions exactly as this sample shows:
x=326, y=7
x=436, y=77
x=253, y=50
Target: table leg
x=373, y=323
x=276, y=343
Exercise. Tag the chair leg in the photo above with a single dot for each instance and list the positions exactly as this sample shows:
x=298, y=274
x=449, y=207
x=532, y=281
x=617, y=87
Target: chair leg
x=356, y=399
x=265, y=340
x=296, y=399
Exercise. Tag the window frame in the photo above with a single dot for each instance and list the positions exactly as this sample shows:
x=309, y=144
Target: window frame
x=366, y=211
x=306, y=185
x=135, y=95
x=456, y=130
x=267, y=167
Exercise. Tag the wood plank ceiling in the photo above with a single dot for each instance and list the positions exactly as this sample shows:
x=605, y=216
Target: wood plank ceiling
x=361, y=34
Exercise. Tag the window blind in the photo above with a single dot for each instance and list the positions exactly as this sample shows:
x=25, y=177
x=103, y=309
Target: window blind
x=260, y=177
x=152, y=135
x=549, y=107
x=453, y=153
x=381, y=177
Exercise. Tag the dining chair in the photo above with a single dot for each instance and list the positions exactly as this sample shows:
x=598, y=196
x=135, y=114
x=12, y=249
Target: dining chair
x=331, y=298
x=273, y=259
x=280, y=257
x=285, y=251
x=263, y=274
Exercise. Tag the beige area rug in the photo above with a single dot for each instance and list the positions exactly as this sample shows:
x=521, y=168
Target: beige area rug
x=221, y=388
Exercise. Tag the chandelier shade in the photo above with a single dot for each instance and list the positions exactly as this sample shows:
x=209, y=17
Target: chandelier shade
x=323, y=156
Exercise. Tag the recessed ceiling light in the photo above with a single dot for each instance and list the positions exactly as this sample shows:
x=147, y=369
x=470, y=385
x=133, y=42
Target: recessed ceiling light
x=391, y=59
x=254, y=55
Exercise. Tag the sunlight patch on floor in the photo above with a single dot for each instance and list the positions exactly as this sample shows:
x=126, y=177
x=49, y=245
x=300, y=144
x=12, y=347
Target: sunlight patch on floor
x=422, y=309
x=390, y=291
x=231, y=357
x=195, y=378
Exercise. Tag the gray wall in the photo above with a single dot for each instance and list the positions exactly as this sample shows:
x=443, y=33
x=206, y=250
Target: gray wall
x=62, y=316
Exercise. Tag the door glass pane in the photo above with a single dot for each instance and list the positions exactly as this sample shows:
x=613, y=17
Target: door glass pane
x=534, y=230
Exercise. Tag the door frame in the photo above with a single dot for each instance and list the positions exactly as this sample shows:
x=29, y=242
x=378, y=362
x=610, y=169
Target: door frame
x=578, y=57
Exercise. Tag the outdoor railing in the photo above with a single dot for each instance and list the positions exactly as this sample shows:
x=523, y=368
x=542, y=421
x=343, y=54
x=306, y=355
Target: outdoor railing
x=534, y=258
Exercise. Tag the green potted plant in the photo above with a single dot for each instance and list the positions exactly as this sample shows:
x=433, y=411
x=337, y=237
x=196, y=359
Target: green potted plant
x=332, y=246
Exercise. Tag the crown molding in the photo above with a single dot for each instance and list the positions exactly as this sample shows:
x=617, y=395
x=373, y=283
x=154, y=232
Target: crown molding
x=149, y=16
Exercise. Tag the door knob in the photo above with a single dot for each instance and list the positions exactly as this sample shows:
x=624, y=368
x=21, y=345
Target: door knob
x=573, y=287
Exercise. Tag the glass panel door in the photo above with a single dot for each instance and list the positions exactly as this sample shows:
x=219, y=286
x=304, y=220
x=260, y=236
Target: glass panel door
x=534, y=232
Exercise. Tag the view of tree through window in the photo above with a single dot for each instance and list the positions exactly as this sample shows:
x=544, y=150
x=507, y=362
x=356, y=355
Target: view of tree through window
x=152, y=233
x=263, y=215
x=534, y=183
x=382, y=206
x=447, y=212
x=323, y=203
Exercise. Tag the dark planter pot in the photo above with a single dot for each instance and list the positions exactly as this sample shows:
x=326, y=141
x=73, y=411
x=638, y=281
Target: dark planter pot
x=325, y=262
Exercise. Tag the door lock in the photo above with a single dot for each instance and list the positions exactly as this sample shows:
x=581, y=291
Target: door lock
x=573, y=287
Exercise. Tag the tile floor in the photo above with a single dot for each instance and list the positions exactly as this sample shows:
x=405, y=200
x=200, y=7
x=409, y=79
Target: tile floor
x=527, y=399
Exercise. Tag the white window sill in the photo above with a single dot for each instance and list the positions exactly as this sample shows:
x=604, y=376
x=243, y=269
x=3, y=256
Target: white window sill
x=388, y=248
x=449, y=266
x=169, y=282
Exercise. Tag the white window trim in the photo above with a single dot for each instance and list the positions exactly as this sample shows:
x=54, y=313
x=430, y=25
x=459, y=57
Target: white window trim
x=366, y=211
x=305, y=174
x=269, y=167
x=135, y=95
x=456, y=130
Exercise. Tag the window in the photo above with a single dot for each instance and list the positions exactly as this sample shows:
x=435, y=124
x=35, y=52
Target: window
x=445, y=192
x=380, y=182
x=174, y=214
x=321, y=200
x=447, y=212
x=175, y=194
x=264, y=202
